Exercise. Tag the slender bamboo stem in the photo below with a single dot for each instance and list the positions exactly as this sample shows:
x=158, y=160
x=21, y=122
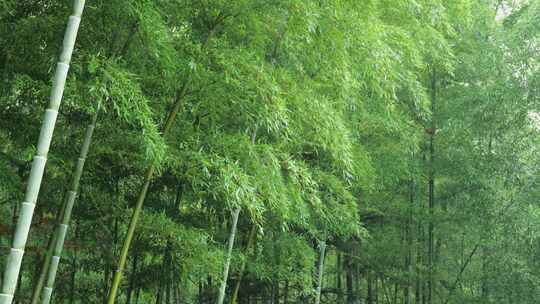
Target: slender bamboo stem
x=250, y=242
x=26, y=212
x=230, y=245
x=129, y=237
x=44, y=270
x=46, y=261
x=320, y=271
x=142, y=196
x=431, y=187
x=148, y=178
x=61, y=229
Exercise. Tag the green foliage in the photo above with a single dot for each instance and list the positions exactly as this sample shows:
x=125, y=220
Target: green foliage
x=313, y=117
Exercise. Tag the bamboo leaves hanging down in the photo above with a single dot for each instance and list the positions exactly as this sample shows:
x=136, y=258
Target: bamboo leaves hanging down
x=141, y=197
x=181, y=93
x=338, y=95
x=26, y=211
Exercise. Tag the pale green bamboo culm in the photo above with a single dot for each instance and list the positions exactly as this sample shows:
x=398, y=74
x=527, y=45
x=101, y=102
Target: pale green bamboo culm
x=38, y=288
x=320, y=271
x=36, y=292
x=61, y=229
x=230, y=245
x=26, y=211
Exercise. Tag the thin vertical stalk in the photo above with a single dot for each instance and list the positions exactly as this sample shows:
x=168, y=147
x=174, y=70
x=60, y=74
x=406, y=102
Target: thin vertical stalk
x=137, y=295
x=349, y=280
x=44, y=269
x=286, y=292
x=132, y=279
x=376, y=289
x=200, y=296
x=339, y=268
x=431, y=186
x=369, y=279
x=320, y=271
x=36, y=292
x=61, y=229
x=141, y=198
x=250, y=242
x=73, y=279
x=419, y=262
x=230, y=245
x=26, y=212
x=182, y=92
x=409, y=237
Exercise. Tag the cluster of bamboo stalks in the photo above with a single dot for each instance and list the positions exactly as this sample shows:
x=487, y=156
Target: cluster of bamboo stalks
x=45, y=284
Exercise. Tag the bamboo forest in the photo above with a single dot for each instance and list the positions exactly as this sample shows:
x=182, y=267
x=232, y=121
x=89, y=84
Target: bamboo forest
x=270, y=151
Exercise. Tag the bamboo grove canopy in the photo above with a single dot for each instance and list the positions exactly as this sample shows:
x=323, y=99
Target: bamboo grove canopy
x=269, y=151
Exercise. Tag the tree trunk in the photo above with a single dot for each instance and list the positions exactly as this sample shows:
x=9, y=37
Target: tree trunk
x=221, y=295
x=26, y=211
x=320, y=272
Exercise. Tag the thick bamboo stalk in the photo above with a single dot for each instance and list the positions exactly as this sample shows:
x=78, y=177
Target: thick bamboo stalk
x=61, y=229
x=320, y=271
x=26, y=212
x=230, y=245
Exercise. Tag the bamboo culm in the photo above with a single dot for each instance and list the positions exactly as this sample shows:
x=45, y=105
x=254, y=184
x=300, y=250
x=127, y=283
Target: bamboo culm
x=142, y=196
x=230, y=245
x=147, y=179
x=250, y=242
x=61, y=229
x=26, y=212
x=320, y=271
x=431, y=190
x=44, y=270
